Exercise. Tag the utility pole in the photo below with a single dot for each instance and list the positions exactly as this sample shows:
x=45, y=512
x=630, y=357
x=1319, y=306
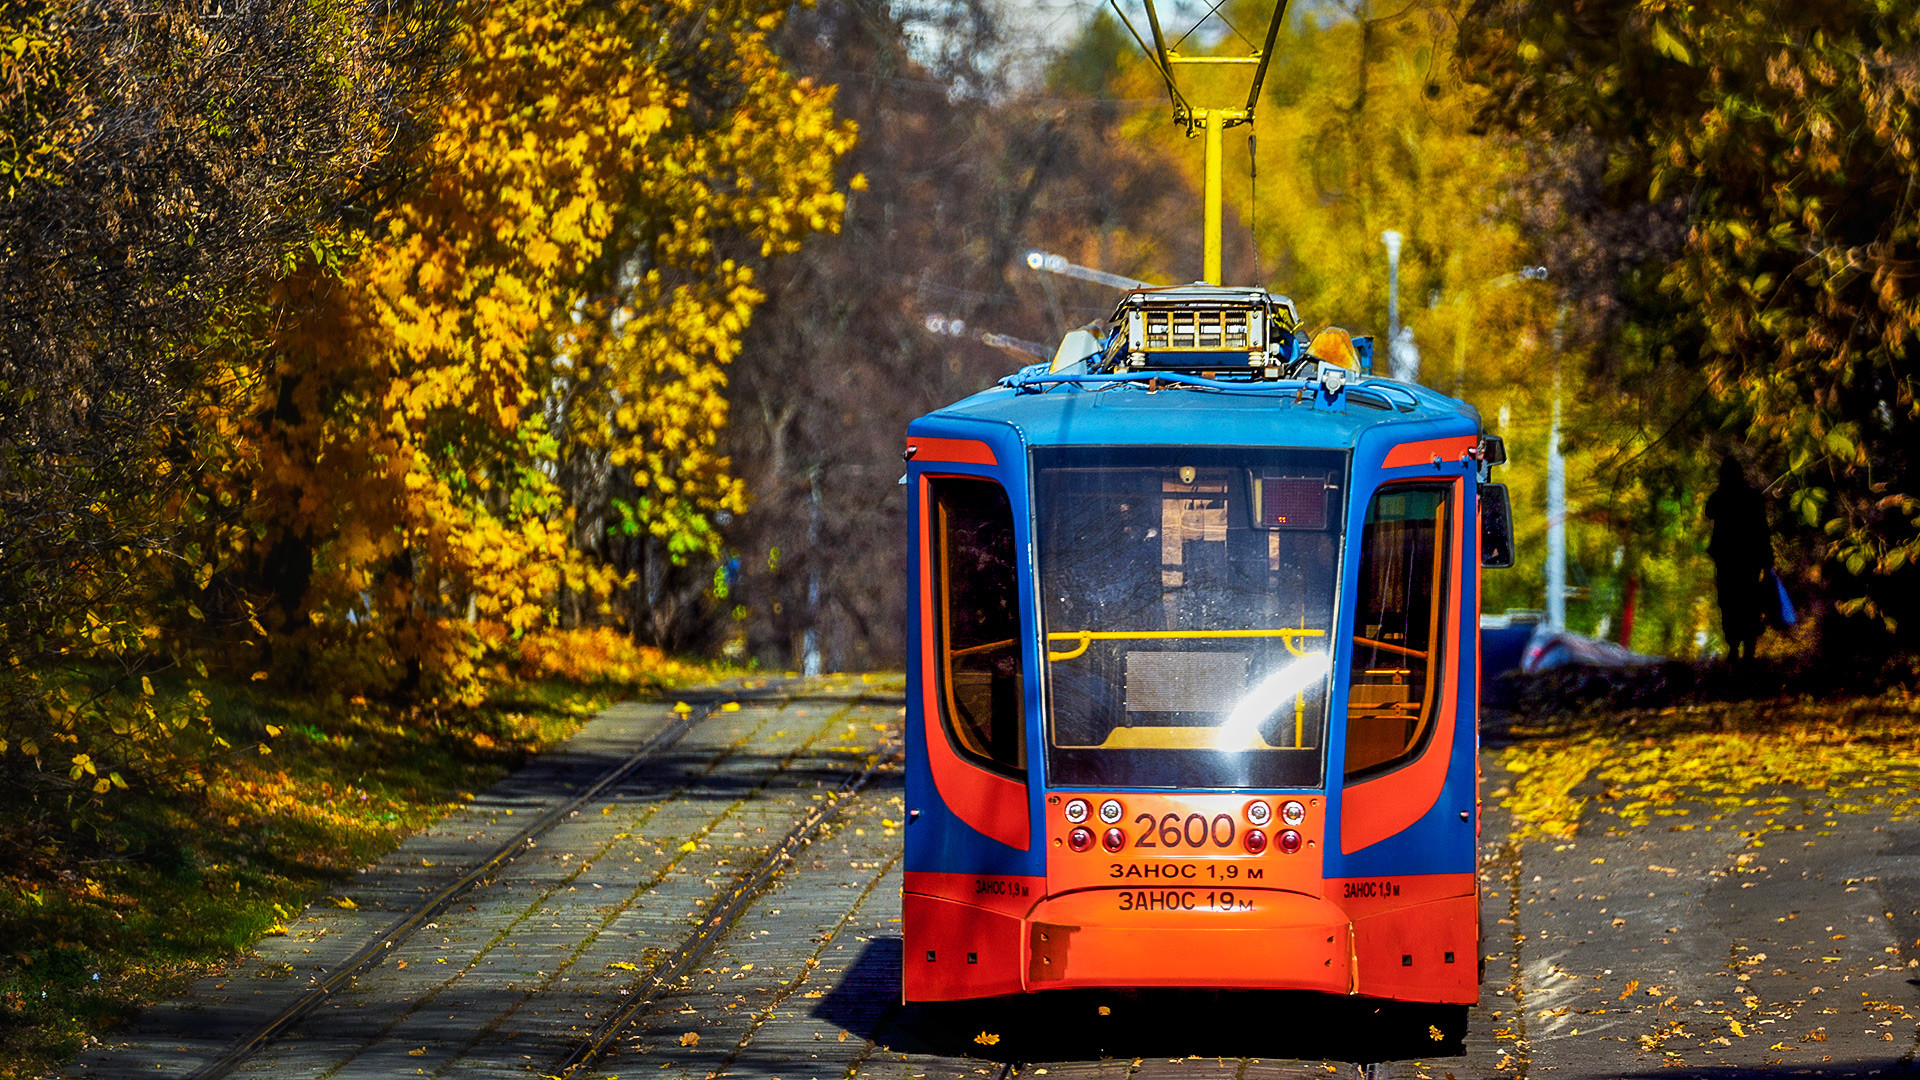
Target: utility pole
x=810, y=641
x=1557, y=493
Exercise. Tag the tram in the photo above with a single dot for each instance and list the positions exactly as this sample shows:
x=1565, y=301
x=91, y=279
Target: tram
x=1192, y=667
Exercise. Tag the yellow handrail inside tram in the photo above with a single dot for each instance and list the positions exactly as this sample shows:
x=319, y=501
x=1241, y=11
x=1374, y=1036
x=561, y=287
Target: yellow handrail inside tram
x=988, y=647
x=1288, y=636
x=1390, y=647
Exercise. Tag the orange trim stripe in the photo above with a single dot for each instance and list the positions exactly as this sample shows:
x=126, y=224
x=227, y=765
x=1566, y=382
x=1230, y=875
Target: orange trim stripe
x=961, y=451
x=1375, y=809
x=991, y=804
x=1423, y=453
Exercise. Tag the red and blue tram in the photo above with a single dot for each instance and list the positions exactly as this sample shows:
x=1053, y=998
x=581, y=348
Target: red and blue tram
x=1191, y=688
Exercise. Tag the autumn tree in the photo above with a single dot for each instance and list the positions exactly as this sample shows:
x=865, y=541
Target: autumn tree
x=1365, y=125
x=1777, y=140
x=464, y=402
x=156, y=160
x=966, y=170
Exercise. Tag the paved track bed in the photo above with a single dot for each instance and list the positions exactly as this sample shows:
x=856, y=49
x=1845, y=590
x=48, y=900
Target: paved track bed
x=1631, y=950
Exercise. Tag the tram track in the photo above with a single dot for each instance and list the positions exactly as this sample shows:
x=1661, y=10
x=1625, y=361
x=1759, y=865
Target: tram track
x=799, y=1006
x=533, y=907
x=746, y=888
x=410, y=923
x=332, y=985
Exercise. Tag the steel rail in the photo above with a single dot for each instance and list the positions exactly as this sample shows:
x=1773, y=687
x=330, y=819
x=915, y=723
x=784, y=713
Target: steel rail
x=746, y=888
x=371, y=953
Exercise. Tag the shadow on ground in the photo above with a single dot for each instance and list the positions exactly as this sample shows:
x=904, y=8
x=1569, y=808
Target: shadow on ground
x=1059, y=1025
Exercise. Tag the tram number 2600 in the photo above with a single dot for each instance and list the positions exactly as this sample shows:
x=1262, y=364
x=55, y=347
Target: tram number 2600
x=1194, y=830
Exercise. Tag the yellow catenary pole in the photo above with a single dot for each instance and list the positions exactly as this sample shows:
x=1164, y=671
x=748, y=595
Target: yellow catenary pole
x=1216, y=122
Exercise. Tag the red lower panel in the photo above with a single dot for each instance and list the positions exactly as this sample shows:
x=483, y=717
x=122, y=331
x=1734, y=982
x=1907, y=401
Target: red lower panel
x=1004, y=893
x=953, y=951
x=1427, y=952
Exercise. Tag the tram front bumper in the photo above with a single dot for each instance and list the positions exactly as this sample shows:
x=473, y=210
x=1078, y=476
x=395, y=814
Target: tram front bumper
x=1188, y=938
x=1266, y=939
x=1126, y=938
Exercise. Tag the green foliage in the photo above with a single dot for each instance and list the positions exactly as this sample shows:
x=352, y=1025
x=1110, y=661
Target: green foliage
x=1097, y=55
x=1781, y=136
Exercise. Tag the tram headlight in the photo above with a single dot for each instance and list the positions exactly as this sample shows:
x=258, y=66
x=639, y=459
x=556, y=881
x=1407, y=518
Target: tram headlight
x=1110, y=811
x=1076, y=811
x=1113, y=840
x=1292, y=813
x=1080, y=839
x=1259, y=813
x=1255, y=841
x=1289, y=841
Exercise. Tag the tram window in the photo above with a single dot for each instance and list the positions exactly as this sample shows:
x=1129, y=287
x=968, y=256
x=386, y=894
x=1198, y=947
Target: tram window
x=1394, y=680
x=1185, y=623
x=981, y=677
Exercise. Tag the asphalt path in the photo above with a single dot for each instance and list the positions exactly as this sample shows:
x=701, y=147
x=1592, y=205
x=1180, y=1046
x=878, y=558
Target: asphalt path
x=1774, y=941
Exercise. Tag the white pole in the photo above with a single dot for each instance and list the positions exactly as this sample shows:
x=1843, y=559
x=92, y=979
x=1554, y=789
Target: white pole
x=810, y=641
x=1556, y=523
x=1556, y=496
x=1392, y=240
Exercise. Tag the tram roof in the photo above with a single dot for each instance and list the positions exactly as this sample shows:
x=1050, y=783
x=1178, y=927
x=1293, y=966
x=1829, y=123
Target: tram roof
x=1249, y=414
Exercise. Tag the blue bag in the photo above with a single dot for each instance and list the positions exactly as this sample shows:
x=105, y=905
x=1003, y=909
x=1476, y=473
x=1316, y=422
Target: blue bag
x=1783, y=614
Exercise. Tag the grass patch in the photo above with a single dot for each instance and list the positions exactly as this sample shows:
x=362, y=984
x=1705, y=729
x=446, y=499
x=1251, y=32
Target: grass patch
x=1624, y=769
x=128, y=903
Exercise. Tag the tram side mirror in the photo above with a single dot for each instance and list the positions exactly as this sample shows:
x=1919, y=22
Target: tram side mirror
x=1493, y=449
x=1496, y=527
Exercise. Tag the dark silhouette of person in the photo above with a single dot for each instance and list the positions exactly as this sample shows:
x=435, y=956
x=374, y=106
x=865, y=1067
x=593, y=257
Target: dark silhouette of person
x=1741, y=548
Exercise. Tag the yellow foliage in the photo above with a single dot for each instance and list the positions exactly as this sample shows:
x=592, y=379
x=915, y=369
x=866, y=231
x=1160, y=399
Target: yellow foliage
x=552, y=289
x=599, y=654
x=1662, y=764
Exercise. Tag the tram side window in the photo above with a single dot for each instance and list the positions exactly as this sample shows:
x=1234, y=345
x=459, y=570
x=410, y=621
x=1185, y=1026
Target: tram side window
x=976, y=587
x=1394, y=681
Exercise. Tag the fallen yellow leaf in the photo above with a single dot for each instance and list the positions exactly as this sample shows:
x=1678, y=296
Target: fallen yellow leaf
x=691, y=1038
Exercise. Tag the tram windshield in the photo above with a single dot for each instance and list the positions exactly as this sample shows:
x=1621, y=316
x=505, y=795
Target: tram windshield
x=1187, y=598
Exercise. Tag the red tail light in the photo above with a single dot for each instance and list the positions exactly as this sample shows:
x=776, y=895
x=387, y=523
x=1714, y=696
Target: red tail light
x=1113, y=840
x=1255, y=841
x=1289, y=841
x=1080, y=839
